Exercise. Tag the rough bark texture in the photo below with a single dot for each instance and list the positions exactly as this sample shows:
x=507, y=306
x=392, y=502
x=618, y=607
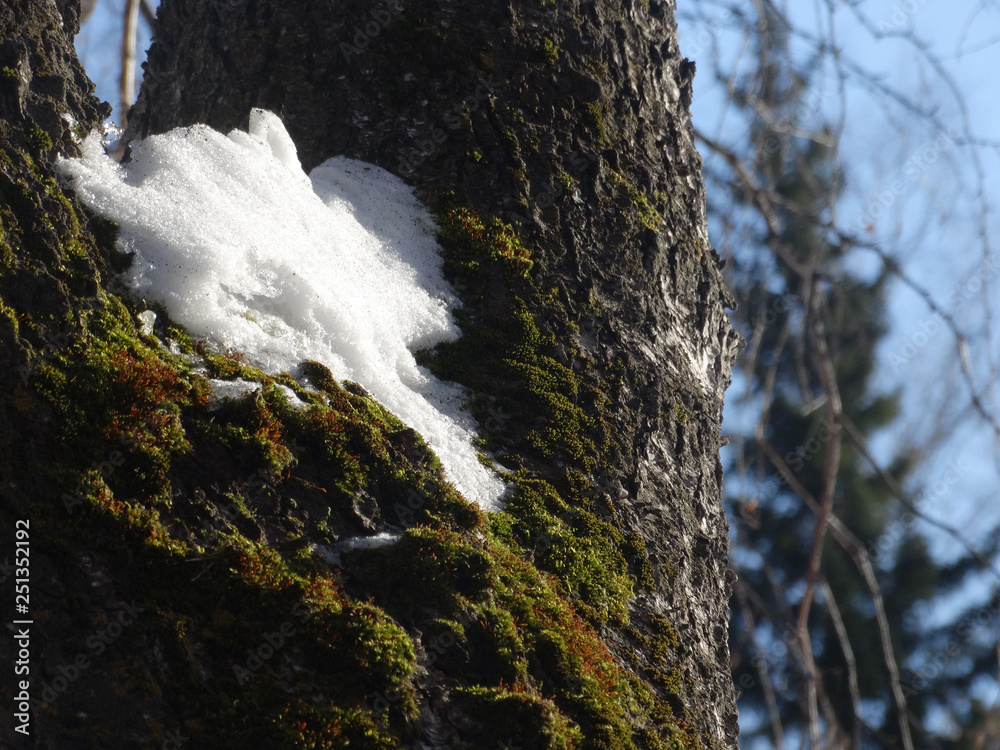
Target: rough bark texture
x=552, y=140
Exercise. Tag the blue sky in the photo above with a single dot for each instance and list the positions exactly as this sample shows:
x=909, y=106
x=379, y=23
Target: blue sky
x=925, y=189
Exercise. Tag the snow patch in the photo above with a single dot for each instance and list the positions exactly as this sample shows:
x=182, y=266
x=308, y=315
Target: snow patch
x=331, y=555
x=291, y=397
x=250, y=254
x=229, y=389
x=147, y=318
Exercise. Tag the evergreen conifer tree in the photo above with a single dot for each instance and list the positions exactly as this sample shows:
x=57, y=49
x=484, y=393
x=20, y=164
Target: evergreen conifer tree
x=813, y=325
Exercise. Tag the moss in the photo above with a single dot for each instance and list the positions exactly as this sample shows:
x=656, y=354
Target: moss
x=549, y=50
x=228, y=365
x=511, y=359
x=597, y=68
x=536, y=396
x=9, y=73
x=248, y=599
x=252, y=587
x=184, y=341
x=593, y=119
x=471, y=241
x=573, y=544
x=11, y=316
x=220, y=509
x=252, y=427
x=440, y=566
x=112, y=392
x=567, y=181
x=511, y=627
x=682, y=414
x=516, y=718
x=646, y=212
x=667, y=637
x=301, y=724
x=39, y=140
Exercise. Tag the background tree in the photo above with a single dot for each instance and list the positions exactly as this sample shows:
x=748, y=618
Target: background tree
x=832, y=639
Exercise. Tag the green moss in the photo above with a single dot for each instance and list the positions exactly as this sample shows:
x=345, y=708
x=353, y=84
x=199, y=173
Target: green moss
x=9, y=73
x=580, y=549
x=111, y=391
x=11, y=316
x=646, y=212
x=471, y=241
x=667, y=639
x=184, y=341
x=549, y=50
x=301, y=724
x=634, y=550
x=440, y=567
x=506, y=718
x=245, y=597
x=39, y=139
x=252, y=426
x=220, y=509
x=228, y=365
x=593, y=118
x=683, y=415
x=509, y=358
x=509, y=625
x=597, y=68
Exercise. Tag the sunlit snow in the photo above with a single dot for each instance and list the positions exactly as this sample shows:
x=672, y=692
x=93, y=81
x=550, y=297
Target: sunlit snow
x=249, y=253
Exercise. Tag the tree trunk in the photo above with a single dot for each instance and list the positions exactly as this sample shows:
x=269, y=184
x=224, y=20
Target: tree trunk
x=563, y=125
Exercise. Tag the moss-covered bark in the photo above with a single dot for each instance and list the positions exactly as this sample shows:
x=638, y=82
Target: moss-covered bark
x=189, y=554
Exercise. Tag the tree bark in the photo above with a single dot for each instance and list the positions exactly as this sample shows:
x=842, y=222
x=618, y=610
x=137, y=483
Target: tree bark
x=595, y=90
x=567, y=124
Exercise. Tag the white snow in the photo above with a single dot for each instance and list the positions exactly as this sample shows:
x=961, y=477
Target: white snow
x=293, y=400
x=229, y=389
x=331, y=555
x=147, y=318
x=250, y=254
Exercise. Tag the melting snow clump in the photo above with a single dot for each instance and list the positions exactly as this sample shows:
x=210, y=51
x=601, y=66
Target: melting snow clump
x=249, y=253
